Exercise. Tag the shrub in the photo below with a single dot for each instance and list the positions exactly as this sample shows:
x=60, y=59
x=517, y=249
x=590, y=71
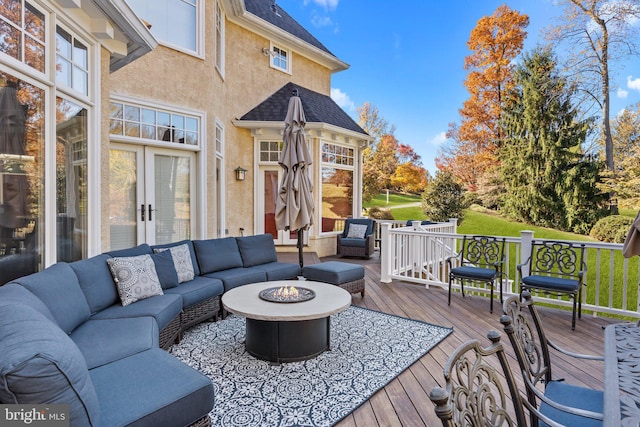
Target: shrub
x=376, y=212
x=611, y=229
x=443, y=198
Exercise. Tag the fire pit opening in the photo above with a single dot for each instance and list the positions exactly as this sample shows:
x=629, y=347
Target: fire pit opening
x=286, y=294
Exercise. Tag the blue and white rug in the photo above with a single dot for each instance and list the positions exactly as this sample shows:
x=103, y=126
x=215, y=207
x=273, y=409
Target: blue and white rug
x=368, y=350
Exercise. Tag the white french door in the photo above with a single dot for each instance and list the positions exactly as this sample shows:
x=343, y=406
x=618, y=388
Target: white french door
x=268, y=185
x=152, y=195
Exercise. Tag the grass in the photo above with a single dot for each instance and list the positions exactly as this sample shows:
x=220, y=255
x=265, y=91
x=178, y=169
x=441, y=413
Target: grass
x=394, y=199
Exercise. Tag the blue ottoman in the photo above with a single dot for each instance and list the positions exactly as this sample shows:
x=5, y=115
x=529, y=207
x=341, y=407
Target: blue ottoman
x=349, y=277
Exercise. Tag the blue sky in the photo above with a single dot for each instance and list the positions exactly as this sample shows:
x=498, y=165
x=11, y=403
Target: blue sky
x=406, y=58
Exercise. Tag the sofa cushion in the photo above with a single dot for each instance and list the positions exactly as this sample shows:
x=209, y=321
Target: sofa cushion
x=164, y=308
x=217, y=254
x=58, y=287
x=135, y=278
x=235, y=277
x=41, y=364
x=279, y=270
x=151, y=388
x=197, y=290
x=256, y=250
x=143, y=249
x=96, y=282
x=167, y=274
x=102, y=341
x=182, y=262
x=14, y=293
x=189, y=243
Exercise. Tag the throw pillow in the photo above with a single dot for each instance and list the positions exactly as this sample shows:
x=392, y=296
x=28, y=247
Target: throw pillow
x=181, y=260
x=135, y=278
x=165, y=268
x=357, y=231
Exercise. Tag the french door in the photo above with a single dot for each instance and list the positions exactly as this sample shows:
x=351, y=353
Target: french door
x=269, y=184
x=152, y=195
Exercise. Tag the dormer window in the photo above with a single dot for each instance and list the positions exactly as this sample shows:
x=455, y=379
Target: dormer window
x=280, y=59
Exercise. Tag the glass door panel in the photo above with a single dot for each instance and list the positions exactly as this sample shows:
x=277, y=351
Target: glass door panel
x=270, y=183
x=126, y=197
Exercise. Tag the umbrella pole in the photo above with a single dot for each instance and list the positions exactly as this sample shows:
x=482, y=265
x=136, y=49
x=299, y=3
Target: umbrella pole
x=300, y=243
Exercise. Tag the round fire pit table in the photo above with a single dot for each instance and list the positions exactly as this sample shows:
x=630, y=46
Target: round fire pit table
x=287, y=331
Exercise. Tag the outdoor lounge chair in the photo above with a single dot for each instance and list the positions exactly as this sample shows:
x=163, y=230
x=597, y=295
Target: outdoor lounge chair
x=475, y=393
x=357, y=239
x=555, y=268
x=558, y=400
x=480, y=259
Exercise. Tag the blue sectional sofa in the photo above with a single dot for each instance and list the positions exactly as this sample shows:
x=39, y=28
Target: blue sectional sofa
x=91, y=333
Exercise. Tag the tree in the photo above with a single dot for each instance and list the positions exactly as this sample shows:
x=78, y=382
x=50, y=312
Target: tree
x=409, y=178
x=372, y=122
x=443, y=198
x=495, y=41
x=549, y=182
x=624, y=180
x=378, y=166
x=597, y=33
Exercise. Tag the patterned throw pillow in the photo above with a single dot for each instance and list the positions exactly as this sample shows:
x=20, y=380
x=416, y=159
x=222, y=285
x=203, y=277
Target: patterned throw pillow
x=182, y=261
x=135, y=278
x=357, y=231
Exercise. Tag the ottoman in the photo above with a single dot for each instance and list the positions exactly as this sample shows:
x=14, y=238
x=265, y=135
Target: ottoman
x=349, y=277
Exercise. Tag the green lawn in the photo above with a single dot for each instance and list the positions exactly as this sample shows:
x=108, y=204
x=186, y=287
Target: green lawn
x=394, y=199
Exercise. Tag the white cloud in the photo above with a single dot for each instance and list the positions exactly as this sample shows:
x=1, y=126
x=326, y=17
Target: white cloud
x=342, y=99
x=622, y=93
x=321, y=21
x=327, y=4
x=633, y=83
x=439, y=138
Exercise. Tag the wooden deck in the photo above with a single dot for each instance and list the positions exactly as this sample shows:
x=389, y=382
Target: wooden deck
x=405, y=400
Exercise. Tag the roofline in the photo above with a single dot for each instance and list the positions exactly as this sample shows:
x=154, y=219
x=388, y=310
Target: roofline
x=258, y=25
x=140, y=39
x=321, y=126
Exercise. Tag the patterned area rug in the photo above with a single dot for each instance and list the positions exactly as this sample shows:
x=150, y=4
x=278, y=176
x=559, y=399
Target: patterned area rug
x=368, y=350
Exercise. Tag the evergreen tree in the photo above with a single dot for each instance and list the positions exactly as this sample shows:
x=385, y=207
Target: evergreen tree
x=443, y=198
x=548, y=180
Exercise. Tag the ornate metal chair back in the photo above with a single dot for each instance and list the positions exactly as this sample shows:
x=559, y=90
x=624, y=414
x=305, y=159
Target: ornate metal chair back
x=556, y=258
x=476, y=393
x=482, y=251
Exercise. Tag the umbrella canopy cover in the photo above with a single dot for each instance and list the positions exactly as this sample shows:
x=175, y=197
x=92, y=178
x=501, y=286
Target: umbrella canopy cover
x=631, y=245
x=294, y=204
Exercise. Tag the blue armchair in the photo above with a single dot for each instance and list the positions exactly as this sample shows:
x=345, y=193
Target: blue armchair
x=357, y=239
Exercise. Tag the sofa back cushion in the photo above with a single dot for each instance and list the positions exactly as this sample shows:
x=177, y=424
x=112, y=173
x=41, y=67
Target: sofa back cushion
x=256, y=250
x=14, y=293
x=96, y=282
x=192, y=252
x=58, y=287
x=217, y=254
x=41, y=364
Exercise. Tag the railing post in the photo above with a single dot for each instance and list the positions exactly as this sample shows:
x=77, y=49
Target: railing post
x=454, y=221
x=526, y=237
x=385, y=253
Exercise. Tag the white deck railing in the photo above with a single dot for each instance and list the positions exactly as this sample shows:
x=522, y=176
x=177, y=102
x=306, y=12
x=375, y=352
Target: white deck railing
x=418, y=254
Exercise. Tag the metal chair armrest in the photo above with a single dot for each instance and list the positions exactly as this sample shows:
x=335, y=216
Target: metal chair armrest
x=449, y=259
x=572, y=354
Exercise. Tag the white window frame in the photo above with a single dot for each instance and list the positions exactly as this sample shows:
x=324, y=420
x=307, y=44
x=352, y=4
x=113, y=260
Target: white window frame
x=219, y=38
x=273, y=58
x=221, y=183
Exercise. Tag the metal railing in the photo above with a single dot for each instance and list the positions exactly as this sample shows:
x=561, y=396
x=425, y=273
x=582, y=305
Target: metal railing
x=418, y=254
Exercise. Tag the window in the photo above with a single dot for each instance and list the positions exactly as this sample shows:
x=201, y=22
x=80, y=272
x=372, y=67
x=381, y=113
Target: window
x=153, y=124
x=22, y=33
x=337, y=184
x=175, y=23
x=280, y=59
x=71, y=62
x=219, y=39
x=270, y=150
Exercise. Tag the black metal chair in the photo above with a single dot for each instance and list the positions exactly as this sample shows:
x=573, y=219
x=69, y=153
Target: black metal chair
x=555, y=268
x=558, y=400
x=480, y=259
x=475, y=393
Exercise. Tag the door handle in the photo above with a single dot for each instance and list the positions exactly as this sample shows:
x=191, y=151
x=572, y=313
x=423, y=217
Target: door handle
x=142, y=212
x=150, y=210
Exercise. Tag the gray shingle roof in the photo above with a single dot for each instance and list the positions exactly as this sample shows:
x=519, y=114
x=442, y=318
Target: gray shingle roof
x=262, y=9
x=318, y=108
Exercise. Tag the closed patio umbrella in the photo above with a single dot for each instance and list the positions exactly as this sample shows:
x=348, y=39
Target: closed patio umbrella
x=632, y=242
x=294, y=203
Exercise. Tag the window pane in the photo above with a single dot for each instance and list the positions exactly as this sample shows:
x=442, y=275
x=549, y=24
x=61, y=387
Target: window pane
x=10, y=41
x=337, y=193
x=148, y=116
x=191, y=124
x=21, y=179
x=80, y=54
x=173, y=22
x=164, y=119
x=34, y=23
x=177, y=121
x=63, y=43
x=122, y=193
x=12, y=10
x=148, y=131
x=173, y=206
x=71, y=182
x=132, y=129
x=34, y=54
x=132, y=113
x=80, y=80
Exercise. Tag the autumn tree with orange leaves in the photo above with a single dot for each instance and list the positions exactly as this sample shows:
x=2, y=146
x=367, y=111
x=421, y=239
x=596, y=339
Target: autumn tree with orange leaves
x=495, y=41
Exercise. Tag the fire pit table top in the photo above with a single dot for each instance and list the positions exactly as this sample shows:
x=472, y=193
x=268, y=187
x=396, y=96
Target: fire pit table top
x=245, y=301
